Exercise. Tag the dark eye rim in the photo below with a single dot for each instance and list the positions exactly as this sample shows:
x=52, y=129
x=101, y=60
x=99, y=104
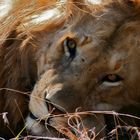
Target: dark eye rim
x=115, y=78
x=70, y=44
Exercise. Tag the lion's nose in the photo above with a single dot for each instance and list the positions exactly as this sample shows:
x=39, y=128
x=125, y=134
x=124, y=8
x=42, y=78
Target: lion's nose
x=64, y=97
x=54, y=109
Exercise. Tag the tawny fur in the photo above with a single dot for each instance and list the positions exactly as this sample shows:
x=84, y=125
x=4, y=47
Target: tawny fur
x=31, y=55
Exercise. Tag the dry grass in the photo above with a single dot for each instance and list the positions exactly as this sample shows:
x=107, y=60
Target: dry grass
x=77, y=131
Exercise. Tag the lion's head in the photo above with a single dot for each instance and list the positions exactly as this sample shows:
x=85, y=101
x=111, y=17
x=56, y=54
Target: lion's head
x=86, y=58
x=89, y=60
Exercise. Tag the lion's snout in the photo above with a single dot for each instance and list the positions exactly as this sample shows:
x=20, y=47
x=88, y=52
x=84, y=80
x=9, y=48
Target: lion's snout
x=65, y=98
x=54, y=109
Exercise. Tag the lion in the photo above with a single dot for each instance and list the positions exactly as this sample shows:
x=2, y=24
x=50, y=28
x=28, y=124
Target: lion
x=85, y=59
x=91, y=63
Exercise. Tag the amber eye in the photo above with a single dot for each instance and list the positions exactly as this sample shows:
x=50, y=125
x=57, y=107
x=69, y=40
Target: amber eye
x=111, y=80
x=71, y=45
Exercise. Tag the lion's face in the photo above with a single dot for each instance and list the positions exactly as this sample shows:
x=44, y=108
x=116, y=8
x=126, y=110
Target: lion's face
x=88, y=64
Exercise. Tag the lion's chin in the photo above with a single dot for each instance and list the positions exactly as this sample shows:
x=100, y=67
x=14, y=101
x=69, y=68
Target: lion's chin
x=35, y=127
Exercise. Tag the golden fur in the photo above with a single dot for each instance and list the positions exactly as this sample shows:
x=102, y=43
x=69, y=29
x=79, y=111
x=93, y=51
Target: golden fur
x=107, y=39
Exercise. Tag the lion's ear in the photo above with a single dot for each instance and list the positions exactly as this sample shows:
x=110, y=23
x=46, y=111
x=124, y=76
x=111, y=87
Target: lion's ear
x=131, y=7
x=133, y=4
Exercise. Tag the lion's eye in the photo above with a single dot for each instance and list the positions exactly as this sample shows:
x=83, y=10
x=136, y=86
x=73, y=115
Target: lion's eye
x=70, y=44
x=112, y=80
